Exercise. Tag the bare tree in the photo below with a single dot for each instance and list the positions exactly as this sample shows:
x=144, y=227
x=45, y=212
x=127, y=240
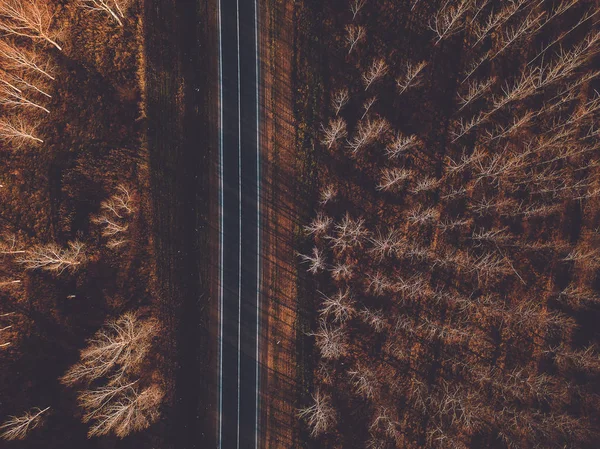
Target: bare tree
x=412, y=77
x=113, y=216
x=589, y=258
x=364, y=380
x=476, y=90
x=7, y=340
x=28, y=18
x=384, y=422
x=368, y=131
x=587, y=16
x=492, y=236
x=349, y=233
x=335, y=131
x=422, y=216
x=385, y=244
x=316, y=261
x=18, y=58
x=340, y=306
x=18, y=427
x=449, y=19
x=496, y=19
x=331, y=341
x=578, y=295
x=519, y=123
x=114, y=8
x=340, y=99
x=122, y=411
x=11, y=283
x=18, y=132
x=367, y=105
x=341, y=271
x=401, y=144
x=319, y=225
x=566, y=63
x=11, y=96
x=18, y=81
x=354, y=34
x=464, y=127
x=51, y=257
x=356, y=6
x=93, y=399
x=119, y=204
x=425, y=184
x=391, y=178
x=375, y=319
x=115, y=350
x=328, y=193
x=520, y=89
x=375, y=72
x=584, y=359
x=379, y=284
x=9, y=244
x=320, y=416
x=111, y=227
x=489, y=266
x=467, y=160
x=528, y=26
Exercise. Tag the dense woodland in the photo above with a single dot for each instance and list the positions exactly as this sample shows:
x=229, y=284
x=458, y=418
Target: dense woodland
x=78, y=328
x=454, y=247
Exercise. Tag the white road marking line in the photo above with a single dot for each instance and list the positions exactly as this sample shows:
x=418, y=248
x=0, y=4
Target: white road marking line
x=221, y=213
x=239, y=370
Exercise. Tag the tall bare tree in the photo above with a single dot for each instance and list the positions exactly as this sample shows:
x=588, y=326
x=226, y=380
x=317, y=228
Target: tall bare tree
x=334, y=132
x=316, y=261
x=340, y=99
x=364, y=380
x=121, y=409
x=13, y=96
x=18, y=427
x=28, y=18
x=113, y=8
x=400, y=145
x=412, y=77
x=354, y=34
x=331, y=341
x=113, y=217
x=391, y=178
x=340, y=306
x=328, y=194
x=375, y=72
x=319, y=225
x=449, y=19
x=15, y=57
x=9, y=244
x=320, y=415
x=18, y=132
x=52, y=257
x=115, y=350
x=356, y=6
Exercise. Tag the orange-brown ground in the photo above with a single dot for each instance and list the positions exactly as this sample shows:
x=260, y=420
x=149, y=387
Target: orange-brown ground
x=279, y=212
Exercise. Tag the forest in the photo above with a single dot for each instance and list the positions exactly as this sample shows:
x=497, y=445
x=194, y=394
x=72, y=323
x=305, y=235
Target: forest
x=451, y=257
x=79, y=327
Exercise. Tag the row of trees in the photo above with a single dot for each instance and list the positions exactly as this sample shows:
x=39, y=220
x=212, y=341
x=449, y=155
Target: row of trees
x=441, y=308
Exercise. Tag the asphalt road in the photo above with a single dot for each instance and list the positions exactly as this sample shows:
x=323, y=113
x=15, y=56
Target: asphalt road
x=239, y=226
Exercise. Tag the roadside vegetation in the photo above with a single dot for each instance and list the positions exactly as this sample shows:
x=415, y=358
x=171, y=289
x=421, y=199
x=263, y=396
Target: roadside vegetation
x=78, y=323
x=454, y=247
